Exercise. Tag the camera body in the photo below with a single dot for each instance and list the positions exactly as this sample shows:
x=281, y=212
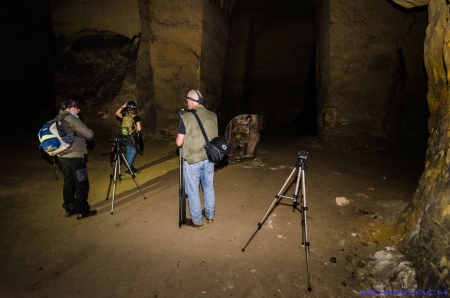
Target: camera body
x=181, y=112
x=118, y=140
x=303, y=154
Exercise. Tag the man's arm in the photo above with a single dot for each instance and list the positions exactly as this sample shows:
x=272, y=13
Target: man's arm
x=179, y=140
x=181, y=130
x=81, y=128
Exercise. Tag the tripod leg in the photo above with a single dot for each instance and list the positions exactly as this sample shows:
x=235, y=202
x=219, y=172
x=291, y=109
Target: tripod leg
x=132, y=174
x=111, y=176
x=295, y=196
x=304, y=228
x=277, y=198
x=182, y=198
x=115, y=171
x=54, y=167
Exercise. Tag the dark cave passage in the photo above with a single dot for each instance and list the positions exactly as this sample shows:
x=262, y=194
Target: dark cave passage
x=270, y=65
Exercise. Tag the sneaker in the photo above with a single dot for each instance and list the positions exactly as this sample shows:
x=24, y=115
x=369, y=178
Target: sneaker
x=84, y=215
x=190, y=223
x=69, y=213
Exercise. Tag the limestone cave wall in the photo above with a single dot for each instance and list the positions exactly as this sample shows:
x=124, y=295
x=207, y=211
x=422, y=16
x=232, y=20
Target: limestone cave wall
x=371, y=89
x=425, y=224
x=213, y=52
x=110, y=52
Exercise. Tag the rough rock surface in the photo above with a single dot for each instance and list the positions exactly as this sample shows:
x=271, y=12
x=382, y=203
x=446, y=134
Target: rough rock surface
x=372, y=84
x=153, y=59
x=426, y=222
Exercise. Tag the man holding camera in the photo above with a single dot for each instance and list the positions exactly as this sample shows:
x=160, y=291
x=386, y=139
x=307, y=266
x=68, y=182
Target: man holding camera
x=73, y=162
x=196, y=166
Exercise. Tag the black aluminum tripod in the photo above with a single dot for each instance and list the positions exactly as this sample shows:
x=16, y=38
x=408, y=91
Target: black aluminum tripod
x=116, y=157
x=300, y=167
x=182, y=197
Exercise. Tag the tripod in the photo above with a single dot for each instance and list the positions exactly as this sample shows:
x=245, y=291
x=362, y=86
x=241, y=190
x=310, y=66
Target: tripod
x=182, y=202
x=300, y=167
x=116, y=155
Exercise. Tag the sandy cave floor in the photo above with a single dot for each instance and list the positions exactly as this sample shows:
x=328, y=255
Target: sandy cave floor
x=140, y=251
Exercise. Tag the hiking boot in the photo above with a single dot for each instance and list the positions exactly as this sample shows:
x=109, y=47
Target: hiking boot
x=210, y=221
x=90, y=213
x=69, y=213
x=190, y=223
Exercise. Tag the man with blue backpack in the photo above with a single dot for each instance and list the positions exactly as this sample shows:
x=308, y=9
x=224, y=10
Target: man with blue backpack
x=73, y=162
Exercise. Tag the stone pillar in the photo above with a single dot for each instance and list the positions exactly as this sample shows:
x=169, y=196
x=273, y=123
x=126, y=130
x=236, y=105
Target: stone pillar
x=372, y=84
x=187, y=51
x=425, y=224
x=214, y=48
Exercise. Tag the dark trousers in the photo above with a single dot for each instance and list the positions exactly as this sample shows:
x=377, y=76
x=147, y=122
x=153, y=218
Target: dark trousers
x=76, y=184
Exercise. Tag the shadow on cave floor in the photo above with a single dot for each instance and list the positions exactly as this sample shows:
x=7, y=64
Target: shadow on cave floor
x=140, y=251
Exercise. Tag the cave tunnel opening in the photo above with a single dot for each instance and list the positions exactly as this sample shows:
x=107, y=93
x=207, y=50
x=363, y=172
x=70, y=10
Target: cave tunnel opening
x=270, y=65
x=275, y=67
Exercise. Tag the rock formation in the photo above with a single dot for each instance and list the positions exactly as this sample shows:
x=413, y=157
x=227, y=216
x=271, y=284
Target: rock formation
x=426, y=222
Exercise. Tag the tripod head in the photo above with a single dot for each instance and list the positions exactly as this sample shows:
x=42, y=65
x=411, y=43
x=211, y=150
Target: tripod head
x=116, y=148
x=117, y=141
x=302, y=155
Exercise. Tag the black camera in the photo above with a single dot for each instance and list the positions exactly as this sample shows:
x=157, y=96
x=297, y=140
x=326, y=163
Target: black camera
x=302, y=154
x=181, y=112
x=118, y=140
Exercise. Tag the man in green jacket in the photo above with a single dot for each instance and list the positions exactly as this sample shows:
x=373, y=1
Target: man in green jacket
x=73, y=162
x=196, y=166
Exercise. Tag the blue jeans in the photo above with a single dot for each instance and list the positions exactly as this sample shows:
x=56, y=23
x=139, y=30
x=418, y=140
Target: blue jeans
x=130, y=155
x=202, y=171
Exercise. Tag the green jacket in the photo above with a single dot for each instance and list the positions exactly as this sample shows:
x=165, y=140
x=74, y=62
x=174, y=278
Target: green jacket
x=194, y=142
x=74, y=126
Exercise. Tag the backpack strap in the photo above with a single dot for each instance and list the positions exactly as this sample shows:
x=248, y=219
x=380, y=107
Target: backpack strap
x=193, y=111
x=60, y=128
x=58, y=118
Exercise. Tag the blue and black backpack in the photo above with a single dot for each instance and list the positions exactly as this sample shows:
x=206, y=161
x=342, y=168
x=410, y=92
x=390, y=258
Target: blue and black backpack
x=53, y=138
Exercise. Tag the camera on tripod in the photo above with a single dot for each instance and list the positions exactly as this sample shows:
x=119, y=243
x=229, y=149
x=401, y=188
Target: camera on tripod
x=303, y=155
x=117, y=157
